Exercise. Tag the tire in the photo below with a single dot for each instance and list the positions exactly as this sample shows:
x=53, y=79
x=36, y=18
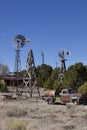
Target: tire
x=75, y=101
x=50, y=100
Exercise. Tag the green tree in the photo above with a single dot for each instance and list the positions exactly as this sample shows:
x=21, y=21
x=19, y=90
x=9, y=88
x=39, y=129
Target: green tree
x=52, y=81
x=75, y=76
x=83, y=88
x=48, y=84
x=43, y=72
x=3, y=87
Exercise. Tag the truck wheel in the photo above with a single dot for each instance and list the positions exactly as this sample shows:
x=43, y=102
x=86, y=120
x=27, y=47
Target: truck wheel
x=50, y=100
x=74, y=101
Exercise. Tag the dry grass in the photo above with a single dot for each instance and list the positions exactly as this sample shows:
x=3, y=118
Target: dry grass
x=15, y=124
x=16, y=112
x=32, y=114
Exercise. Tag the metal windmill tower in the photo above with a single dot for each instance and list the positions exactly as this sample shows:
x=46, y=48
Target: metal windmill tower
x=62, y=54
x=19, y=42
x=30, y=79
x=42, y=54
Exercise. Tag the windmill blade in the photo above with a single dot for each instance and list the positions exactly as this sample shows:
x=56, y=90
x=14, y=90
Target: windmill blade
x=20, y=40
x=27, y=40
x=62, y=53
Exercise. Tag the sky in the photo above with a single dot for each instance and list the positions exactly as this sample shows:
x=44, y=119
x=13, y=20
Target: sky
x=51, y=25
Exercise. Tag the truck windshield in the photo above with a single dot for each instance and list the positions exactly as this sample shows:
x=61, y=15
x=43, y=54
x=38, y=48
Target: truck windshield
x=72, y=91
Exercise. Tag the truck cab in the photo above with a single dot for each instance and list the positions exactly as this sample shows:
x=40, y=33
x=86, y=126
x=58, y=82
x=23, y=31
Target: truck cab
x=69, y=95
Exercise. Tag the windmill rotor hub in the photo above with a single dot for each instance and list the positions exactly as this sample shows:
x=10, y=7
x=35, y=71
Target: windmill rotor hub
x=62, y=54
x=20, y=40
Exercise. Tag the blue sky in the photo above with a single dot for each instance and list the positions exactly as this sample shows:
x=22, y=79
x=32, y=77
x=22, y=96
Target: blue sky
x=51, y=25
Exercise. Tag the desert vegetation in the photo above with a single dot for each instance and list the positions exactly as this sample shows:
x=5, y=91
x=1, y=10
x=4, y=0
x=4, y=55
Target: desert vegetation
x=35, y=114
x=25, y=113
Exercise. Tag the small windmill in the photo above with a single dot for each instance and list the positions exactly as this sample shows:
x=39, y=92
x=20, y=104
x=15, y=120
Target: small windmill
x=62, y=54
x=42, y=54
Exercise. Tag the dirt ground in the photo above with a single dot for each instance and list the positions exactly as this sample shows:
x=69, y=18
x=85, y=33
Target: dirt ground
x=35, y=114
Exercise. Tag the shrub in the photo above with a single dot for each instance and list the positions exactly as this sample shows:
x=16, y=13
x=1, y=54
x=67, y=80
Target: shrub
x=15, y=112
x=3, y=88
x=15, y=124
x=83, y=89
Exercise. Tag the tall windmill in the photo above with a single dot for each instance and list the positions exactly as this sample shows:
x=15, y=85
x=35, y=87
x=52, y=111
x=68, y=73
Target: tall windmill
x=62, y=54
x=42, y=54
x=19, y=42
x=30, y=79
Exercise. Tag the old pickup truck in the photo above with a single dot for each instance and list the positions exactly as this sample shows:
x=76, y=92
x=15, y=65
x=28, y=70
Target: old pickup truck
x=69, y=95
x=65, y=96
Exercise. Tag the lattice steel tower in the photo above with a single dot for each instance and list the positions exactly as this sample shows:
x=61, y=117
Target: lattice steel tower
x=42, y=54
x=19, y=42
x=30, y=79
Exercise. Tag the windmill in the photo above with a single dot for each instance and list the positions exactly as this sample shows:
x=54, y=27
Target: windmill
x=42, y=54
x=30, y=79
x=19, y=42
x=62, y=54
